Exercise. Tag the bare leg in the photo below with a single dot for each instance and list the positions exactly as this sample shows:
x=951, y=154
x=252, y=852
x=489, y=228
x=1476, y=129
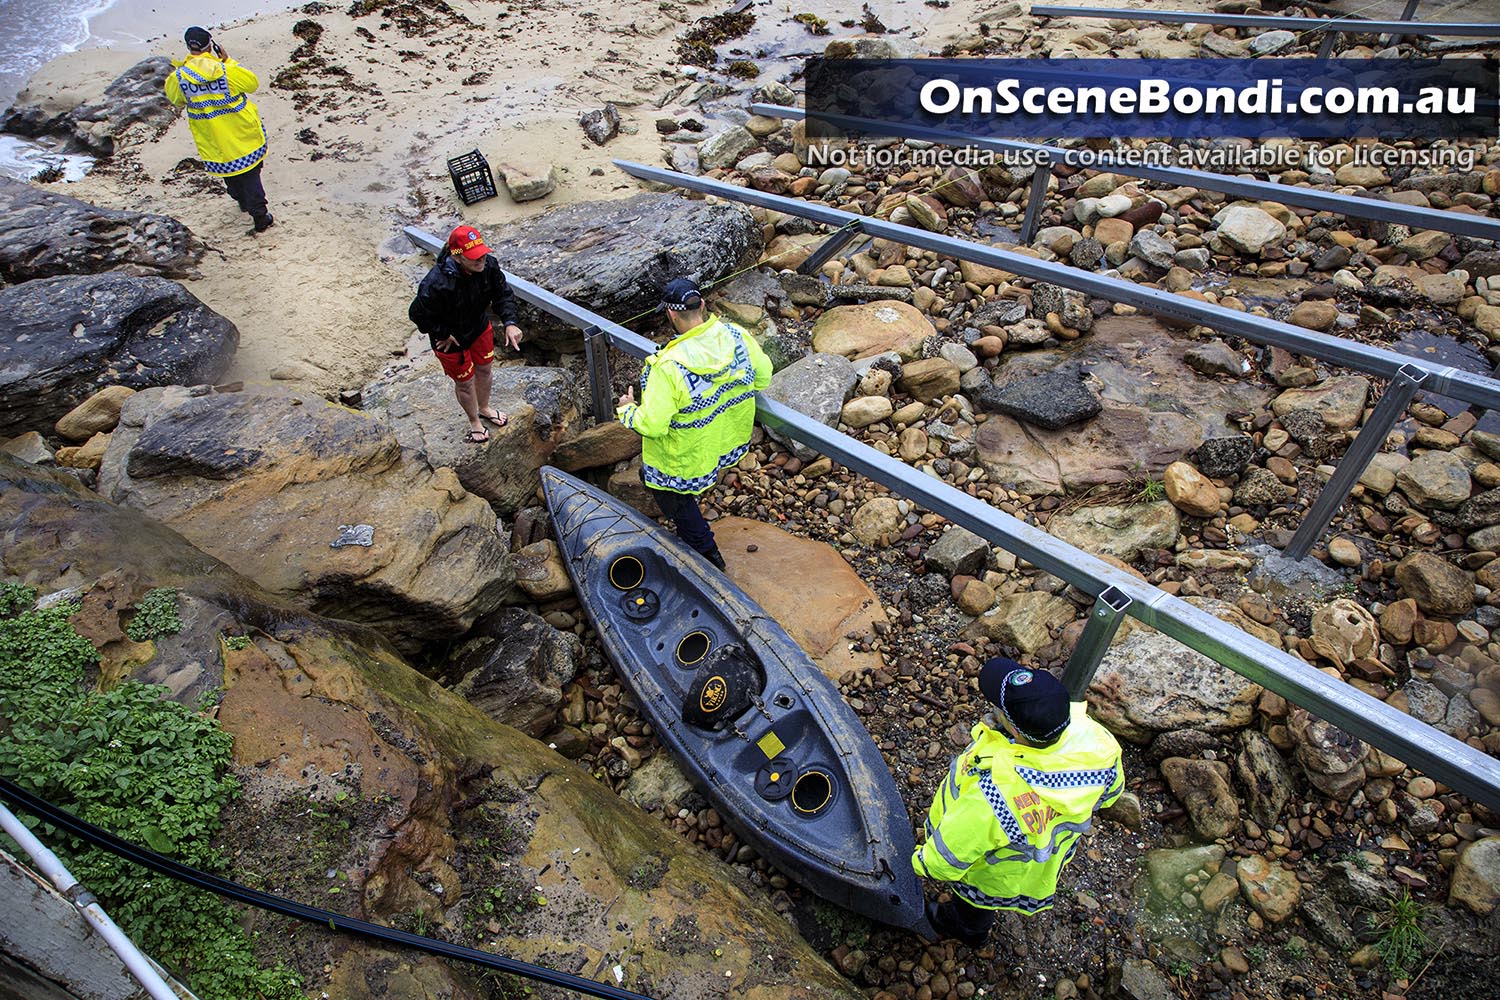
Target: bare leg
x=466, y=399
x=483, y=380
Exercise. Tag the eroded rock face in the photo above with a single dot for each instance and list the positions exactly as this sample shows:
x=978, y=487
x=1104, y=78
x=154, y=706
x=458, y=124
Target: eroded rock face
x=542, y=404
x=1149, y=683
x=513, y=667
x=133, y=98
x=326, y=716
x=62, y=339
x=48, y=234
x=614, y=257
x=265, y=478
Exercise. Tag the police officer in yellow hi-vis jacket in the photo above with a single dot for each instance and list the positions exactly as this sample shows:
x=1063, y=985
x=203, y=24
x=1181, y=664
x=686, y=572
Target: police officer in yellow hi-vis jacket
x=224, y=121
x=696, y=412
x=1010, y=812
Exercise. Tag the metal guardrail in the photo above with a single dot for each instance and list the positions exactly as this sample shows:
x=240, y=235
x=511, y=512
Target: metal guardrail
x=1442, y=379
x=1456, y=764
x=48, y=864
x=1353, y=206
x=1331, y=27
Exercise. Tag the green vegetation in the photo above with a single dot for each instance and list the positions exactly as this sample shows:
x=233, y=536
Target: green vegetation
x=155, y=615
x=1402, y=941
x=1296, y=948
x=1150, y=491
x=140, y=765
x=842, y=926
x=236, y=642
x=744, y=69
x=1180, y=968
x=1257, y=955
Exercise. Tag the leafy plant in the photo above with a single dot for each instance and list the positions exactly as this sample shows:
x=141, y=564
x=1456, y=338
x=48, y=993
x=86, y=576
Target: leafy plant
x=1296, y=948
x=15, y=598
x=1180, y=968
x=236, y=642
x=140, y=765
x=1257, y=954
x=155, y=615
x=1150, y=491
x=1402, y=941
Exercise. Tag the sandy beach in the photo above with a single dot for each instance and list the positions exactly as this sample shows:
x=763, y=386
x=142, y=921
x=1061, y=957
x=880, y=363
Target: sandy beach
x=360, y=133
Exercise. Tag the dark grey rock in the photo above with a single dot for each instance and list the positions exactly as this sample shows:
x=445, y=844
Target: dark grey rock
x=1479, y=511
x=47, y=234
x=868, y=293
x=1072, y=307
x=1308, y=429
x=1001, y=313
x=928, y=591
x=817, y=385
x=62, y=339
x=1323, y=916
x=134, y=97
x=1264, y=775
x=1052, y=400
x=1480, y=263
x=1087, y=253
x=1221, y=457
x=1215, y=358
x=1181, y=743
x=513, y=667
x=614, y=257
x=1153, y=248
x=958, y=552
x=601, y=125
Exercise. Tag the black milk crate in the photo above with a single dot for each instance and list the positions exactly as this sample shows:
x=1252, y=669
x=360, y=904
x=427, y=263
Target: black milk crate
x=471, y=177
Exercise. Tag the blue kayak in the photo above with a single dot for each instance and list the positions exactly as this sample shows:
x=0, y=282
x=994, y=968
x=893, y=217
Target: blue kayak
x=749, y=717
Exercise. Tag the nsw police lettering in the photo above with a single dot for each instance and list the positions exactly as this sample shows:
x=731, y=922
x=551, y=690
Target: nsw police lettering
x=219, y=86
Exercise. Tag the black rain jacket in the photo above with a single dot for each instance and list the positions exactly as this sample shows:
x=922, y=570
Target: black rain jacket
x=452, y=303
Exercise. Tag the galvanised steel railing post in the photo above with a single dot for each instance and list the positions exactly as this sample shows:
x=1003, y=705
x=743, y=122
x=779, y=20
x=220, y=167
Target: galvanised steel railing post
x=1036, y=199
x=1397, y=395
x=596, y=359
x=1325, y=47
x=1098, y=633
x=1406, y=15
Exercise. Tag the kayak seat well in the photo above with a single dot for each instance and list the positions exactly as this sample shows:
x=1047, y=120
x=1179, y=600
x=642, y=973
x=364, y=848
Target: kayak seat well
x=727, y=680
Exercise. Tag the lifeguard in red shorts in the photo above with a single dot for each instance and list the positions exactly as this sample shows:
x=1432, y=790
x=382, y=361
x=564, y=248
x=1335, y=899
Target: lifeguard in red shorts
x=451, y=307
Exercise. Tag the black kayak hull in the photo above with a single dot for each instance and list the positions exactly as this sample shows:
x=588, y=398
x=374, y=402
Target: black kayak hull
x=795, y=773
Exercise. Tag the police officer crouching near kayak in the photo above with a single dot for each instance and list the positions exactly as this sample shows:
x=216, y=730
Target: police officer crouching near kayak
x=1009, y=814
x=696, y=412
x=225, y=123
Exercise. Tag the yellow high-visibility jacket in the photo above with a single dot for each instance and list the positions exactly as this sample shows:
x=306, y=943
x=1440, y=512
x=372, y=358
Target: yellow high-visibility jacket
x=1007, y=818
x=224, y=121
x=697, y=406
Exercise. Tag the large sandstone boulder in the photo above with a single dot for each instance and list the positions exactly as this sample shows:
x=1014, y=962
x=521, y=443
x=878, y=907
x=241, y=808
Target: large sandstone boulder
x=1123, y=532
x=807, y=587
x=133, y=98
x=1202, y=786
x=614, y=257
x=1150, y=683
x=1332, y=759
x=1119, y=445
x=1438, y=586
x=62, y=339
x=543, y=406
x=267, y=478
x=341, y=747
x=1339, y=401
x=513, y=667
x=872, y=328
x=1476, y=877
x=48, y=234
x=1026, y=620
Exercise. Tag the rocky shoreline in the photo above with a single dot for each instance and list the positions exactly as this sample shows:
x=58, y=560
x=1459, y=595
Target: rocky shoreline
x=1259, y=851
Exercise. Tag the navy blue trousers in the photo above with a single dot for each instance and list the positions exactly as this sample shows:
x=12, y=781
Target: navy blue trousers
x=684, y=512
x=248, y=192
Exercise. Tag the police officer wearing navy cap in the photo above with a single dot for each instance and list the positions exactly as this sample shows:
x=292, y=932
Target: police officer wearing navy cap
x=1011, y=810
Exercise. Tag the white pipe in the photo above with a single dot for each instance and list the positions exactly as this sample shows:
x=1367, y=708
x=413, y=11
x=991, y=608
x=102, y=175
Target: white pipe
x=49, y=865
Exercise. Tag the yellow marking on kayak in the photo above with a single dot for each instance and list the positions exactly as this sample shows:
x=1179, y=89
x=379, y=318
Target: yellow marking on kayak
x=771, y=745
x=775, y=775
